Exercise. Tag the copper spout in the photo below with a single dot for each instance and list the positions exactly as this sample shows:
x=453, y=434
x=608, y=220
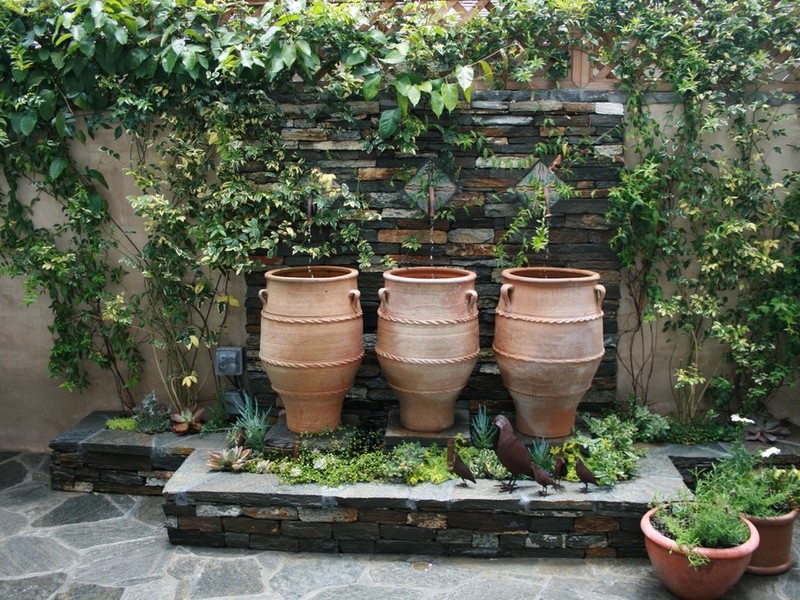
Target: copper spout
x=431, y=201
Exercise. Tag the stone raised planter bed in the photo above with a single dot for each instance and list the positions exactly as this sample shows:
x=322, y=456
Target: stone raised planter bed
x=241, y=510
x=206, y=508
x=90, y=458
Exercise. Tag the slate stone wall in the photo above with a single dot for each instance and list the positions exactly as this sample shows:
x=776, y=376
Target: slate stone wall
x=513, y=123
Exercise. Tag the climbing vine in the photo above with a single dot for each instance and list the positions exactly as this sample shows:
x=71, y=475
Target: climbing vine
x=708, y=238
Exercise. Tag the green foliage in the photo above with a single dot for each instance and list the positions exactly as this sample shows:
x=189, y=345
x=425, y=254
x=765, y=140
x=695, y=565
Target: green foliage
x=650, y=427
x=415, y=464
x=151, y=416
x=701, y=523
x=482, y=430
x=612, y=456
x=217, y=419
x=708, y=427
x=749, y=486
x=121, y=424
x=483, y=463
x=708, y=234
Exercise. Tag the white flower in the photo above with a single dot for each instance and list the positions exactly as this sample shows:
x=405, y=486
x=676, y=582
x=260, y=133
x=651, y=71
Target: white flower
x=320, y=463
x=296, y=472
x=738, y=419
x=770, y=452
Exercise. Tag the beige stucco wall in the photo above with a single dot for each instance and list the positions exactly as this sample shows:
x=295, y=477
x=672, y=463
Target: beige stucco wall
x=33, y=409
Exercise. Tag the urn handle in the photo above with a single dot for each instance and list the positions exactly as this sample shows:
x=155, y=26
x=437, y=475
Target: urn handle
x=355, y=296
x=600, y=294
x=263, y=295
x=383, y=294
x=472, y=300
x=505, y=295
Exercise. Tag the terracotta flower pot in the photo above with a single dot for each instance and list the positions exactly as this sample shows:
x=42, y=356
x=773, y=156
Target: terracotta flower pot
x=548, y=343
x=774, y=553
x=427, y=343
x=722, y=571
x=311, y=341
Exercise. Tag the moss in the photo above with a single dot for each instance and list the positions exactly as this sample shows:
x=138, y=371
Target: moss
x=122, y=424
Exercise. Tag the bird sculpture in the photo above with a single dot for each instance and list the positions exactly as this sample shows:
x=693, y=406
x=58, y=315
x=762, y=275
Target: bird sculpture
x=514, y=456
x=560, y=468
x=457, y=466
x=544, y=479
x=584, y=474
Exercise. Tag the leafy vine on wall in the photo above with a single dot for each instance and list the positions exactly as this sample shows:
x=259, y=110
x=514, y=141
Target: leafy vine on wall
x=197, y=86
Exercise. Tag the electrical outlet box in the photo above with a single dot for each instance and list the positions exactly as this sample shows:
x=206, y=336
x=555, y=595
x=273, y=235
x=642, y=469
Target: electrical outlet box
x=229, y=360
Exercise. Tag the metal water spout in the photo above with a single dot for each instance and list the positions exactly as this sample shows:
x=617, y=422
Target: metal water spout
x=431, y=201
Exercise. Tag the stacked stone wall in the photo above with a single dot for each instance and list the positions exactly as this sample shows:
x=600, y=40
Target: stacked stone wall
x=513, y=123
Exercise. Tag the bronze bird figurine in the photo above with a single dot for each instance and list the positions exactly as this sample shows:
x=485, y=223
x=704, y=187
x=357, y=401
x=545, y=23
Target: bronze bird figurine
x=457, y=466
x=544, y=479
x=512, y=454
x=560, y=468
x=584, y=474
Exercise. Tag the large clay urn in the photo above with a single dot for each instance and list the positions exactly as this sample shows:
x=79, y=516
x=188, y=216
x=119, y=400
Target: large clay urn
x=427, y=343
x=311, y=341
x=548, y=343
x=723, y=570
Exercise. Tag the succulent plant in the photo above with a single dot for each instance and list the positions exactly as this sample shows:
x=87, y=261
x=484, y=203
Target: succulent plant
x=229, y=459
x=540, y=454
x=251, y=427
x=187, y=421
x=765, y=430
x=483, y=430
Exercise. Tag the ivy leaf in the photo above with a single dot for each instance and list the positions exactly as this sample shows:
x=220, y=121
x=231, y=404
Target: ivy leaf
x=450, y=95
x=289, y=54
x=121, y=35
x=389, y=121
x=437, y=103
x=27, y=123
x=397, y=54
x=465, y=75
x=57, y=167
x=488, y=73
x=414, y=94
x=372, y=85
x=97, y=176
x=355, y=55
x=61, y=123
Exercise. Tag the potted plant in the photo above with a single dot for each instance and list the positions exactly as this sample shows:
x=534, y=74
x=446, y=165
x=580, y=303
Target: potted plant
x=698, y=547
x=768, y=496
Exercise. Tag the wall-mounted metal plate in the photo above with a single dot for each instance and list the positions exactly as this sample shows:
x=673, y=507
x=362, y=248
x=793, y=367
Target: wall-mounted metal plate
x=430, y=176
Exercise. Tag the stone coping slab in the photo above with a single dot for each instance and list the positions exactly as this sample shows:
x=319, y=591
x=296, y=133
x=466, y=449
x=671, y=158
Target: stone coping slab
x=195, y=483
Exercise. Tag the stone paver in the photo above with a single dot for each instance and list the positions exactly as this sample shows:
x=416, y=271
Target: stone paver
x=121, y=552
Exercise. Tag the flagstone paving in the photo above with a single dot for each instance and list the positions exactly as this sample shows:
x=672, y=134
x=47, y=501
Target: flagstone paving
x=61, y=546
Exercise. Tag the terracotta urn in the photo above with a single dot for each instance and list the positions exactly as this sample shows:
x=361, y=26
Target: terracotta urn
x=427, y=342
x=774, y=553
x=548, y=343
x=311, y=341
x=723, y=570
